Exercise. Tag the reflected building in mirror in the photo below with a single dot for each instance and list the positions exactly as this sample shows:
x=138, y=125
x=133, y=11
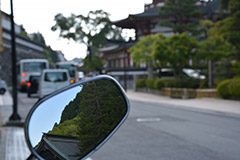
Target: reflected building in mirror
x=57, y=147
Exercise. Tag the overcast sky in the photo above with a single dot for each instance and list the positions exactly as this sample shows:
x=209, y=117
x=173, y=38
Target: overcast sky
x=38, y=16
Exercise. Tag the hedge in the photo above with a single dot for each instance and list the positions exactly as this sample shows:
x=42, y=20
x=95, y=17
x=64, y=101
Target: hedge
x=171, y=83
x=235, y=88
x=159, y=83
x=223, y=88
x=229, y=88
x=141, y=83
x=150, y=83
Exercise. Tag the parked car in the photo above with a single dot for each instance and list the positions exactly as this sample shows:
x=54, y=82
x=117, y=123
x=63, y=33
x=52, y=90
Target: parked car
x=192, y=73
x=3, y=86
x=33, y=84
x=52, y=80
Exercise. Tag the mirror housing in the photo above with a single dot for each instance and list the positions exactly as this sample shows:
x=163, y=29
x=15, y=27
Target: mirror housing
x=75, y=121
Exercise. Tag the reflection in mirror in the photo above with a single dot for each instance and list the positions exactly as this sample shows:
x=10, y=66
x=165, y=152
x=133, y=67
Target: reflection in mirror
x=74, y=122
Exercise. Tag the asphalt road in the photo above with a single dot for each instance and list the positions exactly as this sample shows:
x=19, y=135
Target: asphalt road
x=164, y=132
x=167, y=132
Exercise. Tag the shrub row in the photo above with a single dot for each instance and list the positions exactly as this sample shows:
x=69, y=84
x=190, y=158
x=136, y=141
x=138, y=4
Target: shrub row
x=229, y=88
x=171, y=83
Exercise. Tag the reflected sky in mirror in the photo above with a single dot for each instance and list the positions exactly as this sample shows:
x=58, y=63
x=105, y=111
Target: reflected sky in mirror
x=52, y=110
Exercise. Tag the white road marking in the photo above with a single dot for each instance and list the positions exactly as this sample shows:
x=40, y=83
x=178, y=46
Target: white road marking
x=148, y=119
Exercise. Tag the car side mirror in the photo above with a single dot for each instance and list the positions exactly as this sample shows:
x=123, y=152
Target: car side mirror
x=74, y=122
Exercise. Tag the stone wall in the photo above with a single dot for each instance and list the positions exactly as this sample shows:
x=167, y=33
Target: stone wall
x=6, y=61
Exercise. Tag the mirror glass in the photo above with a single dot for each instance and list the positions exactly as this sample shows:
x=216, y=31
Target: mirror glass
x=72, y=123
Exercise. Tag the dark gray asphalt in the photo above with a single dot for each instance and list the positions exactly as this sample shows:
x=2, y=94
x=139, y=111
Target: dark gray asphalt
x=173, y=133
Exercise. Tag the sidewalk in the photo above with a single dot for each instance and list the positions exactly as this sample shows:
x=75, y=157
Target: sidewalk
x=12, y=140
x=213, y=104
x=5, y=107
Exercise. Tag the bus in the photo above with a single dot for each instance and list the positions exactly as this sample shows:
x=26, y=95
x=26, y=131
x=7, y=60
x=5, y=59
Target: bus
x=28, y=67
x=72, y=69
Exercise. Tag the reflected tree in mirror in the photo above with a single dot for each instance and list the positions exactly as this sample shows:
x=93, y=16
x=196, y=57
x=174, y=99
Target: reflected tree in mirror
x=91, y=116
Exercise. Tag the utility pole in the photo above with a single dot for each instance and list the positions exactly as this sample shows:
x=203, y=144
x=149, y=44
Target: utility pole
x=14, y=116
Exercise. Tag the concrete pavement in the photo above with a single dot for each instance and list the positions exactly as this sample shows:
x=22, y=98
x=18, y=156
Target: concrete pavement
x=213, y=104
x=12, y=140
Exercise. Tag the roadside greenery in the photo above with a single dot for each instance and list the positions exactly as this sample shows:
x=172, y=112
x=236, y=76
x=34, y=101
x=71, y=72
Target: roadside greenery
x=218, y=44
x=93, y=30
x=38, y=38
x=184, y=14
x=177, y=50
x=141, y=53
x=160, y=83
x=141, y=83
x=229, y=88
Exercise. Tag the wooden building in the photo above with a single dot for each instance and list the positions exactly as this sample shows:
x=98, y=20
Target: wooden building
x=118, y=60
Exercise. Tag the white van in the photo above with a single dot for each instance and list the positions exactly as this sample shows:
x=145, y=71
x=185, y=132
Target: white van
x=52, y=80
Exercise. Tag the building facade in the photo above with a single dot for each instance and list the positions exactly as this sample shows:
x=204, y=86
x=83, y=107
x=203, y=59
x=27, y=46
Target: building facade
x=25, y=48
x=145, y=23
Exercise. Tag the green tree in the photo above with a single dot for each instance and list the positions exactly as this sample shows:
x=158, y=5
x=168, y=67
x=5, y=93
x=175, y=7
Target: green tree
x=213, y=48
x=101, y=108
x=92, y=30
x=38, y=38
x=142, y=53
x=184, y=15
x=49, y=53
x=228, y=29
x=177, y=51
x=23, y=32
x=92, y=114
x=159, y=48
x=96, y=64
x=222, y=41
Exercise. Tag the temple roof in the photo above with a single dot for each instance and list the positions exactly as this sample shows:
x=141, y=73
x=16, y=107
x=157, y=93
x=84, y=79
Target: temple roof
x=116, y=46
x=130, y=21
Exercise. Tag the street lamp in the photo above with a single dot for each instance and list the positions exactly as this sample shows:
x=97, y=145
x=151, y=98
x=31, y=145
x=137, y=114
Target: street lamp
x=14, y=116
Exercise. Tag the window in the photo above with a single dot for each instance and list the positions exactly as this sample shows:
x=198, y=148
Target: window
x=55, y=76
x=34, y=66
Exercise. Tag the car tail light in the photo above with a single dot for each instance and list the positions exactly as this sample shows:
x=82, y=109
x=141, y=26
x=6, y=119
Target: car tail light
x=29, y=84
x=24, y=74
x=24, y=80
x=72, y=81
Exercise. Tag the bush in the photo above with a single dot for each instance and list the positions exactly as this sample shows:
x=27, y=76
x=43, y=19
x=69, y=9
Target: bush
x=150, y=83
x=234, y=88
x=172, y=83
x=223, y=88
x=141, y=83
x=188, y=83
x=159, y=83
x=229, y=88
